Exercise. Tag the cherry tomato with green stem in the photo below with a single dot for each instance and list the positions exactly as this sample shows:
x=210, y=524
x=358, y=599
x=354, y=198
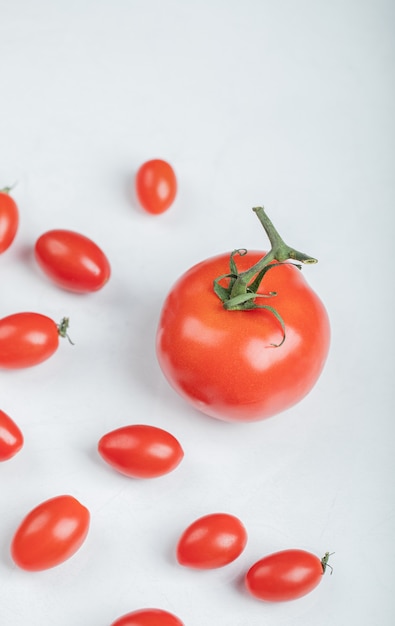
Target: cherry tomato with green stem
x=211, y=541
x=27, y=339
x=141, y=450
x=242, y=337
x=72, y=261
x=50, y=534
x=11, y=437
x=156, y=186
x=286, y=575
x=148, y=617
x=9, y=219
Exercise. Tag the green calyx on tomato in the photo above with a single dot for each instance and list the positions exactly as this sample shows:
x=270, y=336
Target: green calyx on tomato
x=63, y=328
x=241, y=290
x=324, y=562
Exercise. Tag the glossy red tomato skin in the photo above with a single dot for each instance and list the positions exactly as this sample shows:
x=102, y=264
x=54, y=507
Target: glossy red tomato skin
x=50, y=534
x=141, y=451
x=156, y=186
x=9, y=220
x=11, y=437
x=284, y=576
x=148, y=617
x=72, y=261
x=27, y=339
x=211, y=541
x=223, y=362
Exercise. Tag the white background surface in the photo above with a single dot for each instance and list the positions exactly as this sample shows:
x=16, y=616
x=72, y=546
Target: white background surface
x=285, y=103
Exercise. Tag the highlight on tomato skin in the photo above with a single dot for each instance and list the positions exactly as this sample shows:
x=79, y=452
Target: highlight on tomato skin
x=211, y=541
x=148, y=617
x=285, y=575
x=156, y=186
x=141, y=450
x=11, y=437
x=50, y=533
x=72, y=261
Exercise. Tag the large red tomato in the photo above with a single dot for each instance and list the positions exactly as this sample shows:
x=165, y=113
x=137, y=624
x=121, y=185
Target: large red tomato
x=51, y=533
x=242, y=365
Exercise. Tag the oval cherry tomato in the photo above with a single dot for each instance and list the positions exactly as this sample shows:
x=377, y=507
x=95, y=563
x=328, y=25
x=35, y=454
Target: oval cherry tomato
x=11, y=438
x=212, y=541
x=285, y=575
x=72, y=261
x=27, y=339
x=141, y=451
x=50, y=534
x=224, y=362
x=156, y=186
x=9, y=219
x=148, y=617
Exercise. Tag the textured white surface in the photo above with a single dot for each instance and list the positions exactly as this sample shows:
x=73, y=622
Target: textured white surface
x=288, y=104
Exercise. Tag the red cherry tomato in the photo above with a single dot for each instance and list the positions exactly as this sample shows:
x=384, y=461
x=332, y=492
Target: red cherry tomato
x=224, y=362
x=156, y=186
x=11, y=438
x=51, y=533
x=148, y=617
x=72, y=261
x=27, y=339
x=285, y=575
x=141, y=451
x=212, y=541
x=9, y=220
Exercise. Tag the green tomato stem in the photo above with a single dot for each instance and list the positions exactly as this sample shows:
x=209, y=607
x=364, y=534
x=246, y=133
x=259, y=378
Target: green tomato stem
x=279, y=251
x=63, y=328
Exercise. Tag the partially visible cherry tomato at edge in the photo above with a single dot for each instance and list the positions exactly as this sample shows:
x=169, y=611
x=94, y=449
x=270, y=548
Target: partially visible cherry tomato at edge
x=212, y=541
x=285, y=575
x=141, y=451
x=148, y=617
x=11, y=438
x=72, y=261
x=9, y=219
x=27, y=339
x=156, y=186
x=50, y=534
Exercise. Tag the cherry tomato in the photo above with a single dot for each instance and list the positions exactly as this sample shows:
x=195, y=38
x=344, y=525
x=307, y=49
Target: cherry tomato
x=156, y=186
x=285, y=575
x=212, y=541
x=141, y=451
x=225, y=363
x=50, y=534
x=27, y=339
x=148, y=617
x=11, y=438
x=72, y=261
x=9, y=220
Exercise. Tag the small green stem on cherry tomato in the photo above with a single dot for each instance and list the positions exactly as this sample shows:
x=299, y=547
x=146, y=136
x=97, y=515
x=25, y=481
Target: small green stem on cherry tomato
x=324, y=562
x=62, y=329
x=7, y=189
